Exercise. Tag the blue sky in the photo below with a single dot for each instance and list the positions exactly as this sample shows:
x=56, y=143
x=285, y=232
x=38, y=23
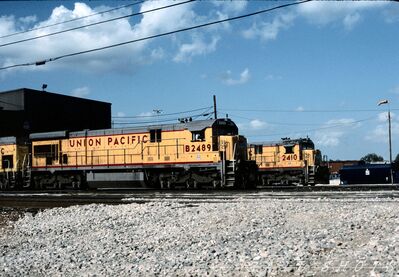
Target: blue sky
x=317, y=69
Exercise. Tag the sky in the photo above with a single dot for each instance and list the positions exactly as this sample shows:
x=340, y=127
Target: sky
x=315, y=69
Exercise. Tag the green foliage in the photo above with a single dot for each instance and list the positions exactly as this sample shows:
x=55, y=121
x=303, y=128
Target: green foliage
x=372, y=157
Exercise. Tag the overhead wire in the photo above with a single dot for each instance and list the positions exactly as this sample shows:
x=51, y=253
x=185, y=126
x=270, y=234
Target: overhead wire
x=155, y=121
x=71, y=20
x=305, y=111
x=42, y=62
x=95, y=23
x=316, y=129
x=159, y=115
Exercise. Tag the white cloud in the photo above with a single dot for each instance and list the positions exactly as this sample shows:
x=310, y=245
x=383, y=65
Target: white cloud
x=272, y=77
x=146, y=114
x=332, y=131
x=254, y=125
x=325, y=12
x=351, y=20
x=120, y=114
x=380, y=132
x=382, y=117
x=300, y=109
x=269, y=30
x=392, y=14
x=229, y=80
x=28, y=19
x=231, y=7
x=257, y=124
x=81, y=92
x=197, y=47
x=121, y=59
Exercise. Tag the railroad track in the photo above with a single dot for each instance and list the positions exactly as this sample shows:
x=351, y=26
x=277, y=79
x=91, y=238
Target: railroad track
x=52, y=198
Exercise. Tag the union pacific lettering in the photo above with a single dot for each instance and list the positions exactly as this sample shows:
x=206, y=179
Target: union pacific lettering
x=109, y=141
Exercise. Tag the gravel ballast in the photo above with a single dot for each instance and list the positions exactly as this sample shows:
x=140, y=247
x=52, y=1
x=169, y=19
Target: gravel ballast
x=241, y=238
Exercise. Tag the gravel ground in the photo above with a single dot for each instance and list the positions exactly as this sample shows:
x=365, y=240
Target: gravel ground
x=241, y=238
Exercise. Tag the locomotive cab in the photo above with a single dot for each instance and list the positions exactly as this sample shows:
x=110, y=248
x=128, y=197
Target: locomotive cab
x=14, y=162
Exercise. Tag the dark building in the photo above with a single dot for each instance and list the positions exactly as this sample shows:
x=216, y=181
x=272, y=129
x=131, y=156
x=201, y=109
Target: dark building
x=24, y=111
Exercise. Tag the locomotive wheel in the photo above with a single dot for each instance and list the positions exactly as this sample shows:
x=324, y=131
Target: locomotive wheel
x=169, y=184
x=77, y=183
x=57, y=185
x=191, y=183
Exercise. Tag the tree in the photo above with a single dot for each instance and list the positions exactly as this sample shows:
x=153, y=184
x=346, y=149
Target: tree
x=372, y=157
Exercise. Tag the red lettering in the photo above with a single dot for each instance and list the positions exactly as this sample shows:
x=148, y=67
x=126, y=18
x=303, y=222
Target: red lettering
x=2, y=151
x=116, y=141
x=123, y=140
x=109, y=140
x=71, y=143
x=187, y=148
x=98, y=141
x=134, y=139
x=91, y=142
x=78, y=143
x=144, y=139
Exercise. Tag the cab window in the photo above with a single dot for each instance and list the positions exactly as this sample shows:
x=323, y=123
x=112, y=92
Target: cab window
x=198, y=135
x=258, y=149
x=48, y=151
x=155, y=135
x=289, y=149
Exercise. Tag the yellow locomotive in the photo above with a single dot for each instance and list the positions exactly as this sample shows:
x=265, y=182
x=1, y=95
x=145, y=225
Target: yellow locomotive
x=289, y=161
x=190, y=154
x=14, y=163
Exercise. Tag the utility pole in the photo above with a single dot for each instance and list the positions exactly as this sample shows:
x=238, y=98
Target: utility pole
x=214, y=107
x=382, y=102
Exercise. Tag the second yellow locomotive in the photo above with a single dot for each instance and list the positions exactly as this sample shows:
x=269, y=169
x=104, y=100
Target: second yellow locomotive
x=289, y=161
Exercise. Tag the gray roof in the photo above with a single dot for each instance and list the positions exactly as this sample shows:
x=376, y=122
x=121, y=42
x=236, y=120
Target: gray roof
x=287, y=142
x=49, y=135
x=8, y=140
x=191, y=126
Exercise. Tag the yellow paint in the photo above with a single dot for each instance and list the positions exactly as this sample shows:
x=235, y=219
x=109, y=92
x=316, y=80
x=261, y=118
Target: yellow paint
x=131, y=149
x=275, y=156
x=18, y=153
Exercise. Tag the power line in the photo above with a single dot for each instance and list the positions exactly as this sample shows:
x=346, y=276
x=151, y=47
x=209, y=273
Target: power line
x=149, y=116
x=157, y=121
x=305, y=111
x=93, y=24
x=42, y=62
x=70, y=20
x=279, y=123
x=316, y=129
